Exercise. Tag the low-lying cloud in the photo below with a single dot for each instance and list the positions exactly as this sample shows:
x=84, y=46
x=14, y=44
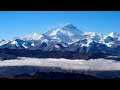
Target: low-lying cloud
x=92, y=64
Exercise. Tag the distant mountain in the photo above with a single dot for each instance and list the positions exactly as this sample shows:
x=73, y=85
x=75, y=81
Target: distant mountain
x=2, y=42
x=65, y=34
x=67, y=38
x=110, y=39
x=35, y=37
x=93, y=36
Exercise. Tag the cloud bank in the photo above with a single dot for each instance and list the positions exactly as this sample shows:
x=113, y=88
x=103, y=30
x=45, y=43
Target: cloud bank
x=92, y=64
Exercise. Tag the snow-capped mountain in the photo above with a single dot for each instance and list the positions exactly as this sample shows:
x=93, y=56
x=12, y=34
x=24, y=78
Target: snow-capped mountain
x=97, y=37
x=111, y=38
x=65, y=34
x=86, y=46
x=14, y=44
x=2, y=42
x=35, y=37
x=67, y=38
x=114, y=35
x=31, y=41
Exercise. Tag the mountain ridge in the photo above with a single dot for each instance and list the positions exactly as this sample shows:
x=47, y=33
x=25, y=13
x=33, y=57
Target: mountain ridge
x=67, y=38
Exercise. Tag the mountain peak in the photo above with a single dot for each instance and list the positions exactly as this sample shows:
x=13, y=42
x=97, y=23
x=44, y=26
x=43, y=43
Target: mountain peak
x=67, y=33
x=72, y=29
x=114, y=35
x=34, y=36
x=70, y=26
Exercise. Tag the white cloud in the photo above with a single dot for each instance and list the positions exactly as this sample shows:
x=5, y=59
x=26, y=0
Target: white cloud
x=96, y=64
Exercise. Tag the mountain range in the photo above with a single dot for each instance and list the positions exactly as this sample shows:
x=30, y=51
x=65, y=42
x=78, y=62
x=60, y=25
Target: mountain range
x=67, y=38
x=67, y=42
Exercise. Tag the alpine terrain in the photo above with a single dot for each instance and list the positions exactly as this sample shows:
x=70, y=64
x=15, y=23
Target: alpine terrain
x=63, y=42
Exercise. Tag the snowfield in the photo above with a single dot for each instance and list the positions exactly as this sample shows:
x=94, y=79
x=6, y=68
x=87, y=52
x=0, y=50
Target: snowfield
x=96, y=64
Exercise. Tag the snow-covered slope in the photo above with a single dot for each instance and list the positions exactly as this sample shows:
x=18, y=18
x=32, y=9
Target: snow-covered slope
x=98, y=37
x=111, y=38
x=114, y=35
x=2, y=42
x=65, y=34
x=67, y=38
x=33, y=36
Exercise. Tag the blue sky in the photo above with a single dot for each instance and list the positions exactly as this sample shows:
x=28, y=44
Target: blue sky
x=20, y=23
